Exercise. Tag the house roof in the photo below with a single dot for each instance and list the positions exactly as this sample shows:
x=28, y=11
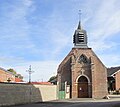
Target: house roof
x=3, y=69
x=42, y=83
x=112, y=70
x=18, y=79
x=6, y=71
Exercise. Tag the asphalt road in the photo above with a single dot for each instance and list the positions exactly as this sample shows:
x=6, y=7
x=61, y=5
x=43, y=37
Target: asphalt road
x=73, y=104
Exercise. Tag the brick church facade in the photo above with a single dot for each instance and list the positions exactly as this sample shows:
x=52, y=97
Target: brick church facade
x=82, y=71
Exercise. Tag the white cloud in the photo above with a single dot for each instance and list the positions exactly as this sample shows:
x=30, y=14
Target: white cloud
x=61, y=41
x=15, y=26
x=28, y=3
x=103, y=45
x=104, y=24
x=56, y=35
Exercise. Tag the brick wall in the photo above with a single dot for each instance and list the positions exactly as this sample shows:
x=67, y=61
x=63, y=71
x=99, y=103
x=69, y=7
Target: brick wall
x=95, y=71
x=99, y=78
x=117, y=80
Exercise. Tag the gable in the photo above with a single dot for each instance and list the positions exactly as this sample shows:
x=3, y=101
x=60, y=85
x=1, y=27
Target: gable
x=111, y=71
x=65, y=60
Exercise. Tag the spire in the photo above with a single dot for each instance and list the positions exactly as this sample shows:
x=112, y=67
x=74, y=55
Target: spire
x=79, y=25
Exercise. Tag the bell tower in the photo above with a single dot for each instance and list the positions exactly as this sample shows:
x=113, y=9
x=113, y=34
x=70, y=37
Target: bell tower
x=80, y=36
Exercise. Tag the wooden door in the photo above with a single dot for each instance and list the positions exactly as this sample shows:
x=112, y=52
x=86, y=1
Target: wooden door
x=82, y=87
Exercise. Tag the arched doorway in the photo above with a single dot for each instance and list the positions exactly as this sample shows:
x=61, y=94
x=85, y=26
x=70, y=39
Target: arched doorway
x=83, y=87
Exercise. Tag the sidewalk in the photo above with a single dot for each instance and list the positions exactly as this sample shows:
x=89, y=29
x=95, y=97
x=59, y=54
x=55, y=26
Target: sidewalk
x=112, y=98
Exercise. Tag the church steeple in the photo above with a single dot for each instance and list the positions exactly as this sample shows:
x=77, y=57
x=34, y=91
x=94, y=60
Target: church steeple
x=80, y=37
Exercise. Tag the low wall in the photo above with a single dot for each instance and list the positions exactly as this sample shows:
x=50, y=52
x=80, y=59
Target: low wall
x=13, y=94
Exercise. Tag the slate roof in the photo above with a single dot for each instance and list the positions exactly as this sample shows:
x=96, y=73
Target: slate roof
x=112, y=70
x=6, y=70
x=3, y=69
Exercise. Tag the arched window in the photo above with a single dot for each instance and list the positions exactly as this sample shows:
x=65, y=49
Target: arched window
x=82, y=79
x=83, y=59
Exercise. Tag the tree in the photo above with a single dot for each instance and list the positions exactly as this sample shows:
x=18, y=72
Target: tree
x=15, y=73
x=19, y=76
x=53, y=80
x=12, y=71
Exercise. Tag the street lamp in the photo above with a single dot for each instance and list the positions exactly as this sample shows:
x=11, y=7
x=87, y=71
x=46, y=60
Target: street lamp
x=29, y=72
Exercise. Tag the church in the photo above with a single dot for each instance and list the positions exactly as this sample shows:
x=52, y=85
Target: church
x=81, y=74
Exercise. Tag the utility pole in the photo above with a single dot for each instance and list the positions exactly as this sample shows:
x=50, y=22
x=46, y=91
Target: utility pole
x=29, y=72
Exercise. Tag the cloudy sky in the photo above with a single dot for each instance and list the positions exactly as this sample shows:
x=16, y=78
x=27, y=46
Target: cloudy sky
x=39, y=33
